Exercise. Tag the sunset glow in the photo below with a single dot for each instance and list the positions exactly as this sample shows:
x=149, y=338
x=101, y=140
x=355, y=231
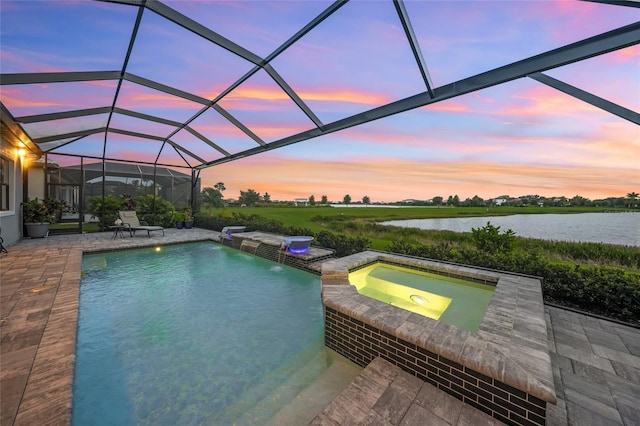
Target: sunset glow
x=516, y=138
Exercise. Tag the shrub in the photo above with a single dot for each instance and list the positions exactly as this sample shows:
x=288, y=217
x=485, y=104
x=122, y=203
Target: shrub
x=163, y=210
x=342, y=244
x=55, y=206
x=625, y=256
x=297, y=230
x=489, y=239
x=601, y=290
x=105, y=209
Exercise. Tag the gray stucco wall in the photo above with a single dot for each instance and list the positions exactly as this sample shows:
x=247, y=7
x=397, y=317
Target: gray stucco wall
x=11, y=220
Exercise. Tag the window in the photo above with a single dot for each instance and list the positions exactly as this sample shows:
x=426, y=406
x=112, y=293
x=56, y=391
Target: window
x=5, y=174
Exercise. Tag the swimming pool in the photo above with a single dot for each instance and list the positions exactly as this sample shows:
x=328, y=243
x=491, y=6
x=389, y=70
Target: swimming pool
x=194, y=333
x=455, y=301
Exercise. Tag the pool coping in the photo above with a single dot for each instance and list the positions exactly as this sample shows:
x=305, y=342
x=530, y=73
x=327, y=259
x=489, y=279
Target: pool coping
x=510, y=346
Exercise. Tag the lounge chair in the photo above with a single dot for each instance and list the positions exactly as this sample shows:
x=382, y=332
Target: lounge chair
x=132, y=223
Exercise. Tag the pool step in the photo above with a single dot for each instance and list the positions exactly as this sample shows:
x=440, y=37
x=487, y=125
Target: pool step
x=281, y=387
x=311, y=400
x=294, y=373
x=385, y=394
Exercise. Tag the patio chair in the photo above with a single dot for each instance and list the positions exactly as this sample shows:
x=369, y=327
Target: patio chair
x=132, y=224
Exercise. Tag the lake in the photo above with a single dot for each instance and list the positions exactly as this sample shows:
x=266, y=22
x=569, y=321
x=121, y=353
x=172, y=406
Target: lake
x=609, y=228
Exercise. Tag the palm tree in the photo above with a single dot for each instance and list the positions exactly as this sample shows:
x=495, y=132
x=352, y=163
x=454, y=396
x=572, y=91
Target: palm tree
x=219, y=187
x=632, y=197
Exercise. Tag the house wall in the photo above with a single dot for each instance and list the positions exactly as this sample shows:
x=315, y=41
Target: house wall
x=35, y=182
x=11, y=220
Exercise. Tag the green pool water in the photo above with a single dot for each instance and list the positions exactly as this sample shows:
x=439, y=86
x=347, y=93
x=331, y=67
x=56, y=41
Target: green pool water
x=197, y=334
x=451, y=300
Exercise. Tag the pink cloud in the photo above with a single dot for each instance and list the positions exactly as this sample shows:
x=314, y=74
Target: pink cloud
x=159, y=98
x=43, y=98
x=450, y=106
x=215, y=131
x=628, y=55
x=393, y=138
x=14, y=98
x=569, y=21
x=545, y=101
x=274, y=132
x=345, y=95
x=131, y=155
x=244, y=97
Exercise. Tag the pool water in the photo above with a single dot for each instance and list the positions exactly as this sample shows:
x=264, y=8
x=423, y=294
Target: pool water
x=451, y=300
x=193, y=334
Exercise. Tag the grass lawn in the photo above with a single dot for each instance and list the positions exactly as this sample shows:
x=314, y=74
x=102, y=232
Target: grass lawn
x=73, y=227
x=310, y=216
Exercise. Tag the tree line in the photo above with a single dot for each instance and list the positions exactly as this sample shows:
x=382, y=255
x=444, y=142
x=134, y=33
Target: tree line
x=213, y=197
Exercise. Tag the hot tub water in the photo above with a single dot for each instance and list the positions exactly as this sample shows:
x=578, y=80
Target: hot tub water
x=452, y=300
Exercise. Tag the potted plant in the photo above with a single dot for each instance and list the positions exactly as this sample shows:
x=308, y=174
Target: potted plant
x=188, y=218
x=178, y=219
x=37, y=217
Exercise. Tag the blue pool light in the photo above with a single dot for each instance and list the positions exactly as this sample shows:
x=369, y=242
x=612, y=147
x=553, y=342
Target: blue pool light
x=298, y=244
x=298, y=250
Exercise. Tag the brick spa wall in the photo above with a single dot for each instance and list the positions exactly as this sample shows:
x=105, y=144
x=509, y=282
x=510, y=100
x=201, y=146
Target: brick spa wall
x=362, y=343
x=504, y=369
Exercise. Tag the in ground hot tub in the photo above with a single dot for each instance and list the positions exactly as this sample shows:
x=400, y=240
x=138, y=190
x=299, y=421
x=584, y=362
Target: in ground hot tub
x=456, y=301
x=502, y=367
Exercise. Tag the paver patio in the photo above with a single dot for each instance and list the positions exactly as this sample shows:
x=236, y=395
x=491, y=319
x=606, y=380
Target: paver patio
x=596, y=363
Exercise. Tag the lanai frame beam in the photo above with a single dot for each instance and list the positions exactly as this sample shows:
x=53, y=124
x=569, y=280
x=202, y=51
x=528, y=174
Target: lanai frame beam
x=587, y=97
x=531, y=67
x=619, y=38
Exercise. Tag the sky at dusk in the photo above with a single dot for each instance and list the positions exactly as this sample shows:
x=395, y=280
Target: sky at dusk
x=518, y=138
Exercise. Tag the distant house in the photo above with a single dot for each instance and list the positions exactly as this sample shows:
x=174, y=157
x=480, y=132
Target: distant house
x=500, y=201
x=301, y=201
